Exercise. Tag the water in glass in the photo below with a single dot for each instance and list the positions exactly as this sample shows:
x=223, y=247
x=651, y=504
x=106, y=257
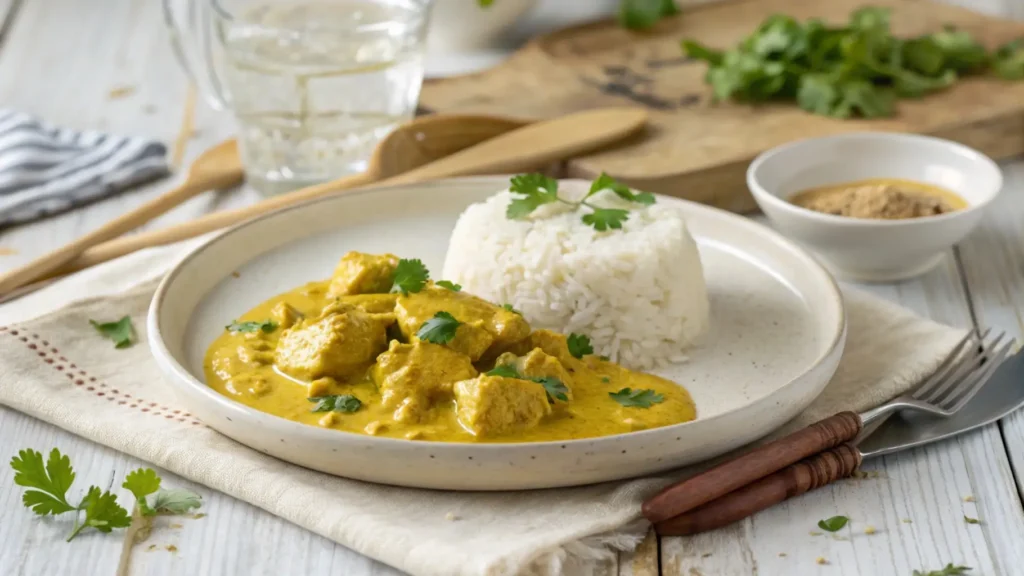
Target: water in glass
x=316, y=84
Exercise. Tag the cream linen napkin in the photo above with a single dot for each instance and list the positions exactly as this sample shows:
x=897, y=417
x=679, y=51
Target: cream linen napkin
x=57, y=369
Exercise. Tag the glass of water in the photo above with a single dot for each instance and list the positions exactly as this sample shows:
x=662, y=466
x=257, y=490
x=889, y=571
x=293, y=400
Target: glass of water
x=314, y=84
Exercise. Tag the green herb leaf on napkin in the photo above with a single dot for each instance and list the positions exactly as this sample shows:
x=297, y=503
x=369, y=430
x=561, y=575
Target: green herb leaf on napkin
x=121, y=332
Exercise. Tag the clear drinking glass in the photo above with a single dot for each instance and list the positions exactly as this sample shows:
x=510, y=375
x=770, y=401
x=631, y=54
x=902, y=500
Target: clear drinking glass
x=314, y=84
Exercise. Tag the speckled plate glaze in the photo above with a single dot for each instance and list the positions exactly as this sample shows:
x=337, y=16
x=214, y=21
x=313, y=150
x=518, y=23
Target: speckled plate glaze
x=778, y=333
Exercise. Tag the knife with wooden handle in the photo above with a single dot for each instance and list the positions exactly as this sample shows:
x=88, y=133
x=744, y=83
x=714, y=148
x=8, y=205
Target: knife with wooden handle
x=752, y=466
x=804, y=476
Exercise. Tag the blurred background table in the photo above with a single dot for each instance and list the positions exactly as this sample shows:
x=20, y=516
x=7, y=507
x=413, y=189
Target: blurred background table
x=108, y=65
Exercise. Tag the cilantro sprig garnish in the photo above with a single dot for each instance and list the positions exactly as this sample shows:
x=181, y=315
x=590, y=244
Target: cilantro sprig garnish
x=121, y=332
x=336, y=403
x=554, y=387
x=637, y=398
x=265, y=326
x=511, y=309
x=449, y=285
x=536, y=190
x=47, y=486
x=579, y=345
x=859, y=69
x=440, y=329
x=410, y=276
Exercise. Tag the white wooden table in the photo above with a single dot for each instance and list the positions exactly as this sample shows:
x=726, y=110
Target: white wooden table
x=106, y=64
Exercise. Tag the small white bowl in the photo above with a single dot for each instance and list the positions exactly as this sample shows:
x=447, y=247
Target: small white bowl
x=873, y=250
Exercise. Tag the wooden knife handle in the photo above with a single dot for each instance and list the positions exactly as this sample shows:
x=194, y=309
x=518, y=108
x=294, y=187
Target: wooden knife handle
x=804, y=476
x=754, y=465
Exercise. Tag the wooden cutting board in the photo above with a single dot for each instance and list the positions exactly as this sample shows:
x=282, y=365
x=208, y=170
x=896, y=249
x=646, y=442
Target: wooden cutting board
x=700, y=150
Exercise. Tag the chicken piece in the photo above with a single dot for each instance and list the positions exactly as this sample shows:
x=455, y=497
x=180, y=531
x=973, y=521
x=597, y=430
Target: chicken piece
x=344, y=304
x=285, y=315
x=552, y=344
x=339, y=345
x=538, y=364
x=476, y=315
x=359, y=273
x=372, y=303
x=493, y=405
x=411, y=377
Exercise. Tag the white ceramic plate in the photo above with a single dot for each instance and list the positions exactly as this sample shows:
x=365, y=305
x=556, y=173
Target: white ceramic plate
x=778, y=333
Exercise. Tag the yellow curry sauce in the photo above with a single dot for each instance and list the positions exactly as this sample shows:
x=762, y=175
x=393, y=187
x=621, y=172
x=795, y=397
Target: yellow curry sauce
x=348, y=336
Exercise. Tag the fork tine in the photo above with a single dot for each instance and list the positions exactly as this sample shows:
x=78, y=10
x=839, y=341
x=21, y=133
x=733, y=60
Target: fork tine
x=965, y=368
x=950, y=361
x=963, y=393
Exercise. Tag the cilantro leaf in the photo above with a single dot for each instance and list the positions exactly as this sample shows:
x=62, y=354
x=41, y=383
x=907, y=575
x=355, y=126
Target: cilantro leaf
x=336, y=403
x=699, y=51
x=642, y=14
x=1008, y=62
x=102, y=512
x=833, y=524
x=410, y=276
x=449, y=285
x=606, y=182
x=509, y=307
x=174, y=501
x=579, y=345
x=121, y=332
x=604, y=218
x=637, y=398
x=948, y=570
x=554, y=388
x=440, y=329
x=141, y=483
x=535, y=189
x=962, y=52
x=504, y=371
x=266, y=326
x=47, y=485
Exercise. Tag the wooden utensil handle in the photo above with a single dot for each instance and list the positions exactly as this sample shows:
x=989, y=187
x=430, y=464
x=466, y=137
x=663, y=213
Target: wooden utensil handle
x=758, y=463
x=804, y=476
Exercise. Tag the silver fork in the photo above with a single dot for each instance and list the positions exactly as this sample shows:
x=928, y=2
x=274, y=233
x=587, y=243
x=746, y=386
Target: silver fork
x=957, y=379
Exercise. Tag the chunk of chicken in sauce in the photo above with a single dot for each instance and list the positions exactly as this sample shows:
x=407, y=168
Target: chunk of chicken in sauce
x=340, y=345
x=359, y=273
x=494, y=405
x=412, y=378
x=483, y=327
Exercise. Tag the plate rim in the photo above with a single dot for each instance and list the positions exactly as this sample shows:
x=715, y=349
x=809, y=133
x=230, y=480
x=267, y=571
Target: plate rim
x=183, y=377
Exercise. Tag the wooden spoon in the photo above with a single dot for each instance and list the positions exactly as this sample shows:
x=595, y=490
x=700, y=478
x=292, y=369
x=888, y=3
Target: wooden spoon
x=529, y=147
x=218, y=167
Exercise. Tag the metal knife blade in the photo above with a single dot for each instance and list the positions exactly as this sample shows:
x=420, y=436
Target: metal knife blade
x=1003, y=394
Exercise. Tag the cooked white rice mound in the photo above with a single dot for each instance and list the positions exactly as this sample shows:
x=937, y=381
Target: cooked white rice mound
x=638, y=292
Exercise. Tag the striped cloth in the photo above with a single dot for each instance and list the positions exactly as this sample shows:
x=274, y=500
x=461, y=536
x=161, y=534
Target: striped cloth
x=45, y=169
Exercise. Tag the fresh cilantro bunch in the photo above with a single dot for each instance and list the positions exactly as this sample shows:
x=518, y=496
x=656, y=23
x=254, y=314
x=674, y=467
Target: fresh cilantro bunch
x=47, y=486
x=536, y=190
x=855, y=70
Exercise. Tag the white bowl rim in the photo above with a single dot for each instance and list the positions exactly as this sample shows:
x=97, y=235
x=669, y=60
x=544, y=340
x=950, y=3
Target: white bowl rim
x=762, y=194
x=183, y=377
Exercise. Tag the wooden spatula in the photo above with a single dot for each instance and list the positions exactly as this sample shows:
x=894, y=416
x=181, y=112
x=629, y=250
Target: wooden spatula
x=530, y=147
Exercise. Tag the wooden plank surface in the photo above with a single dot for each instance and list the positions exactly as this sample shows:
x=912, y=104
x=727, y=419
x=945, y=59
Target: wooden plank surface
x=698, y=149
x=104, y=46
